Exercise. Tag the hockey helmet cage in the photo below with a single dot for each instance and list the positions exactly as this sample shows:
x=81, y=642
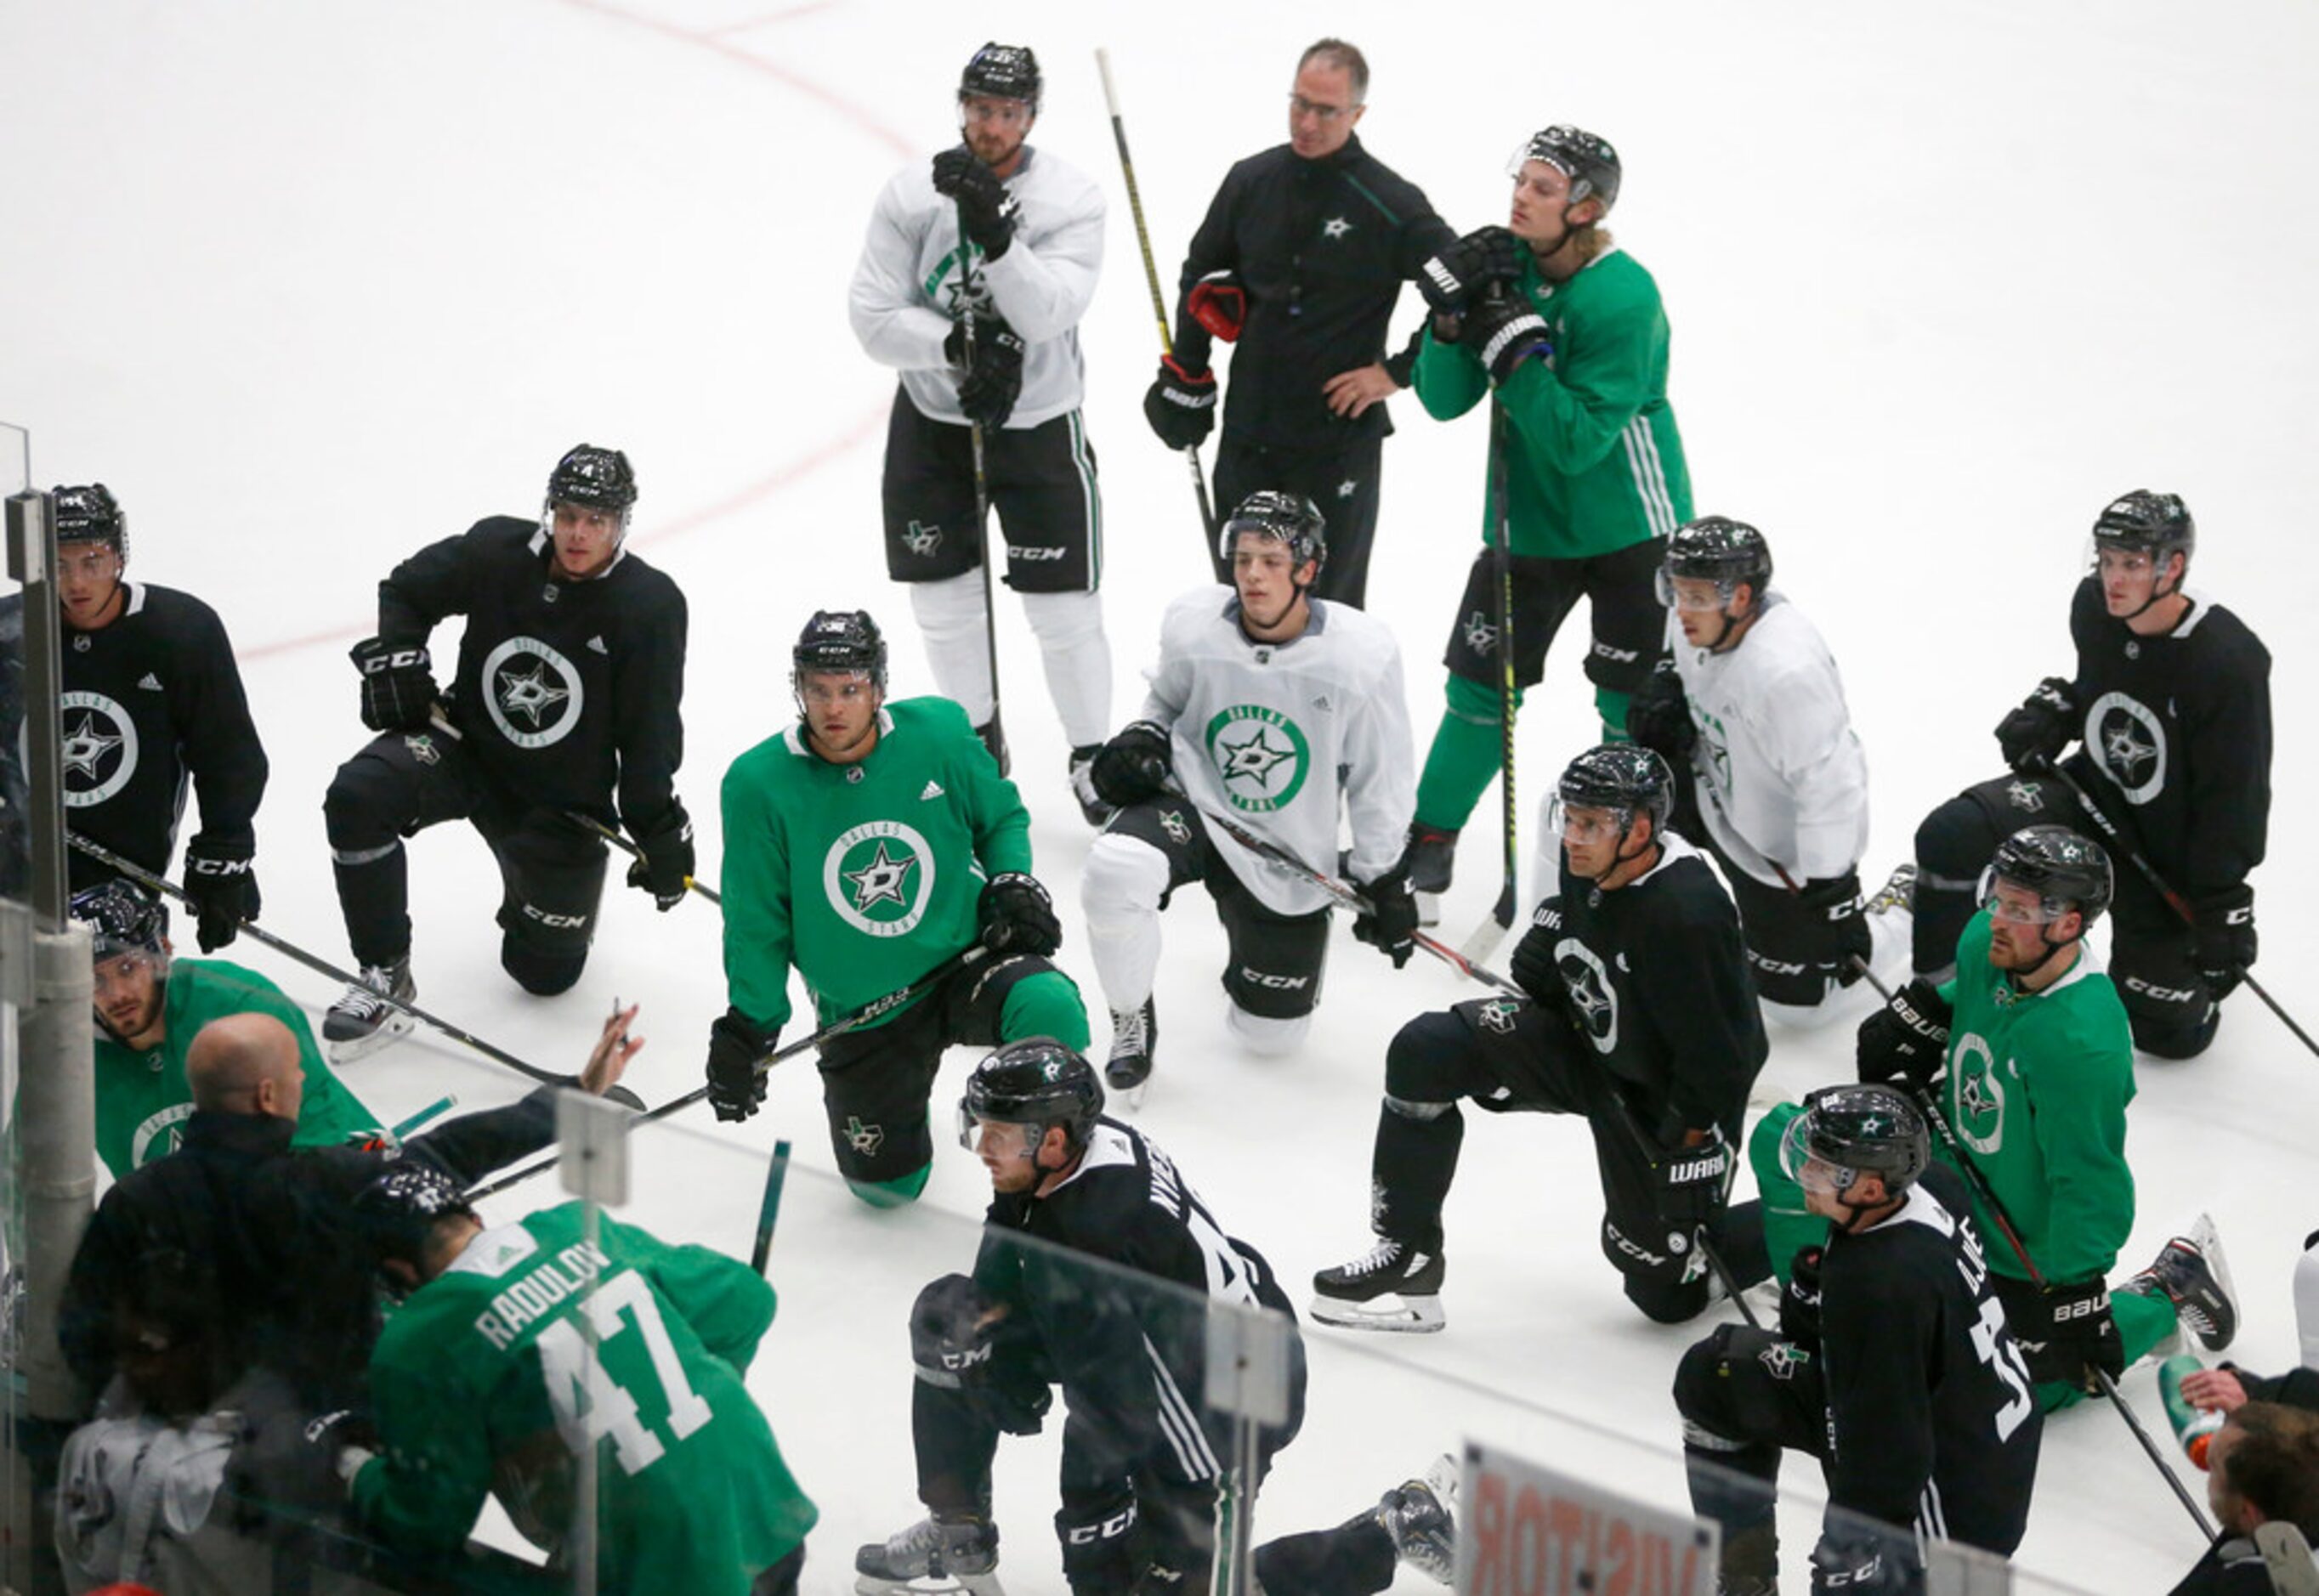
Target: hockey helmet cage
x=1286, y=517
x=1588, y=160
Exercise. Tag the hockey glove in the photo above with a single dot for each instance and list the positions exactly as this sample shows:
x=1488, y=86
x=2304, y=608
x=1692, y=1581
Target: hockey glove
x=1504, y=331
x=1016, y=916
x=1389, y=924
x=986, y=211
x=951, y=1326
x=1133, y=766
x=1181, y=405
x=1860, y=1562
x=2223, y=937
x=737, y=1051
x=398, y=684
x=1838, y=922
x=1219, y=303
x=1799, y=1303
x=2034, y=735
x=1689, y=1182
x=1451, y=279
x=991, y=384
x=1905, y=1042
x=1658, y=717
x=222, y=885
x=2081, y=1336
x=1533, y=965
x=665, y=870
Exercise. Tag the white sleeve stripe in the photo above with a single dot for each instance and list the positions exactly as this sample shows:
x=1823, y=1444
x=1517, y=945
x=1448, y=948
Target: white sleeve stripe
x=1932, y=1518
x=1649, y=473
x=1180, y=1422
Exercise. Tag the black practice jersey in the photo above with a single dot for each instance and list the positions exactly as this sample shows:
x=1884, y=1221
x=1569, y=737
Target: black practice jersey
x=2177, y=738
x=1658, y=980
x=1931, y=1418
x=1131, y=1358
x=1321, y=248
x=151, y=702
x=568, y=692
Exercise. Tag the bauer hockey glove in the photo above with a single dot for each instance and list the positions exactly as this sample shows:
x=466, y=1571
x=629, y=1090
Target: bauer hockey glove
x=1181, y=405
x=1504, y=331
x=2035, y=735
x=1905, y=1042
x=1134, y=765
x=1389, y=923
x=2223, y=940
x=223, y=886
x=398, y=684
x=2081, y=1336
x=1450, y=280
x=737, y=1050
x=1016, y=916
x=1658, y=717
x=665, y=870
x=986, y=211
x=1839, y=924
x=1219, y=303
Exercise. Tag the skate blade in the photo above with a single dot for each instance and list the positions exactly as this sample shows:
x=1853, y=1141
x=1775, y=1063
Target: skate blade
x=2204, y=1236
x=359, y=1047
x=931, y=1584
x=1392, y=1313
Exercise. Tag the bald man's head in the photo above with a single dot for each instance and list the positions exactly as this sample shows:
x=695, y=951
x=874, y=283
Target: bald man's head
x=246, y=1064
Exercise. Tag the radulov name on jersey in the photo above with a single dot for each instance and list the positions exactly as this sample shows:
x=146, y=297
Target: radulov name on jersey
x=535, y=1294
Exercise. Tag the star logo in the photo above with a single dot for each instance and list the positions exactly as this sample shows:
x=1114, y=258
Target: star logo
x=2124, y=752
x=1782, y=1359
x=1260, y=755
x=1972, y=1096
x=1593, y=1004
x=1335, y=227
x=534, y=695
x=422, y=748
x=2127, y=737
x=921, y=540
x=1593, y=999
x=865, y=1139
x=1498, y=1014
x=2024, y=795
x=530, y=694
x=1348, y=488
x=99, y=748
x=85, y=746
x=881, y=880
x=1172, y=822
x=1481, y=632
x=1253, y=756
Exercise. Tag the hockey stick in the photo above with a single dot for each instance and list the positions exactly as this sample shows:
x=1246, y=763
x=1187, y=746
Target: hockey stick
x=590, y=823
x=1487, y=934
x=2174, y=900
x=770, y=1209
x=868, y=1011
x=1151, y=276
x=289, y=950
x=981, y=500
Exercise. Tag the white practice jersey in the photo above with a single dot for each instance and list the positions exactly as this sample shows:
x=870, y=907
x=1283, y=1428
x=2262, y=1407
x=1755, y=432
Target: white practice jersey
x=1261, y=731
x=1781, y=777
x=906, y=288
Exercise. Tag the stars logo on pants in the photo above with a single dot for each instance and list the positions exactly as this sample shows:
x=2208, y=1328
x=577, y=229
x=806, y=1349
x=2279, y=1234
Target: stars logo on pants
x=921, y=540
x=1481, y=632
x=2024, y=795
x=1335, y=227
x=865, y=1139
x=1498, y=1014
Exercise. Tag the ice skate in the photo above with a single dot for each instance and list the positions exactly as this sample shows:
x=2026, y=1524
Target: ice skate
x=364, y=1019
x=1420, y=1515
x=1390, y=1287
x=2192, y=1272
x=1898, y=893
x=932, y=1557
x=1083, y=786
x=1134, y=1035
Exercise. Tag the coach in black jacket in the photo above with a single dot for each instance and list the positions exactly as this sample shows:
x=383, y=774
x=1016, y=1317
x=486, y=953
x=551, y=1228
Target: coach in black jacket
x=1300, y=257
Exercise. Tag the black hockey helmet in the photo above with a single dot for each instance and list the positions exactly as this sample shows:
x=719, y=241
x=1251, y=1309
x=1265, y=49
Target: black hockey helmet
x=2065, y=870
x=1002, y=72
x=90, y=515
x=1855, y=1130
x=1035, y=1082
x=1625, y=778
x=397, y=1211
x=1717, y=549
x=2156, y=524
x=1290, y=518
x=841, y=640
x=600, y=478
x=122, y=917
x=1587, y=159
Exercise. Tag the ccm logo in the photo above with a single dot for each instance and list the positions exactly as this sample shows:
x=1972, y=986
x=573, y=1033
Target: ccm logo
x=1015, y=551
x=1087, y=1534
x=1276, y=983
x=554, y=921
x=2164, y=994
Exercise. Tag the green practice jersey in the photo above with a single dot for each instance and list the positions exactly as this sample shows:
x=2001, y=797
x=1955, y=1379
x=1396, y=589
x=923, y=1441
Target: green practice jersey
x=2037, y=1088
x=482, y=1383
x=864, y=876
x=142, y=1100
x=1595, y=463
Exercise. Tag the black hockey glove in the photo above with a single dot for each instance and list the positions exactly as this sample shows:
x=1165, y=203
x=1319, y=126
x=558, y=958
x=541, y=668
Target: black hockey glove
x=1533, y=966
x=1389, y=924
x=1858, y=1562
x=1799, y=1303
x=1658, y=715
x=986, y=211
x=1905, y=1042
x=1504, y=331
x=1219, y=303
x=2081, y=1336
x=285, y=1459
x=1839, y=924
x=2222, y=938
x=1134, y=765
x=1450, y=280
x=737, y=1051
x=223, y=886
x=1181, y=405
x=988, y=390
x=666, y=868
x=2034, y=735
x=1689, y=1182
x=1016, y=916
x=951, y=1332
x=398, y=684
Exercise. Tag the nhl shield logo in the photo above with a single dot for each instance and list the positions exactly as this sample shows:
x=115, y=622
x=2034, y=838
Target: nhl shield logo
x=1261, y=755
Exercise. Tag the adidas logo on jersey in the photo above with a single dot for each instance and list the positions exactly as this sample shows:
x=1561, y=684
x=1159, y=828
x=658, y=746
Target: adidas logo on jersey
x=597, y=644
x=150, y=682
x=933, y=790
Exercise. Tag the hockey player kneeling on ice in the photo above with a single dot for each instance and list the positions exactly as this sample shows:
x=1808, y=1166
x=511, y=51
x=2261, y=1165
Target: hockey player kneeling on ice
x=2026, y=1055
x=1145, y=1483
x=1640, y=1017
x=1892, y=1365
x=151, y=1004
x=1279, y=711
x=1749, y=714
x=2171, y=703
x=866, y=846
x=487, y=1381
x=567, y=704
x=152, y=699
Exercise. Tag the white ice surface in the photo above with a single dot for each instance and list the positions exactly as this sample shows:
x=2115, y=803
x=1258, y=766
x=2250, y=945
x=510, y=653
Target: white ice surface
x=309, y=285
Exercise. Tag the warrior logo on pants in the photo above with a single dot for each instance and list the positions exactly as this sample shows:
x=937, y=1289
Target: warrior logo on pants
x=1261, y=754
x=879, y=876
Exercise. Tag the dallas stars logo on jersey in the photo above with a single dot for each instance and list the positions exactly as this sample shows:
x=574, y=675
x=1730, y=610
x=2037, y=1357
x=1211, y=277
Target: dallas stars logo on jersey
x=1592, y=997
x=1261, y=756
x=879, y=876
x=532, y=692
x=1979, y=1094
x=2127, y=737
x=100, y=748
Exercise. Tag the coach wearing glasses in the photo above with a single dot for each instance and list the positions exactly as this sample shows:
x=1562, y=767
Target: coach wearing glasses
x=1300, y=259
